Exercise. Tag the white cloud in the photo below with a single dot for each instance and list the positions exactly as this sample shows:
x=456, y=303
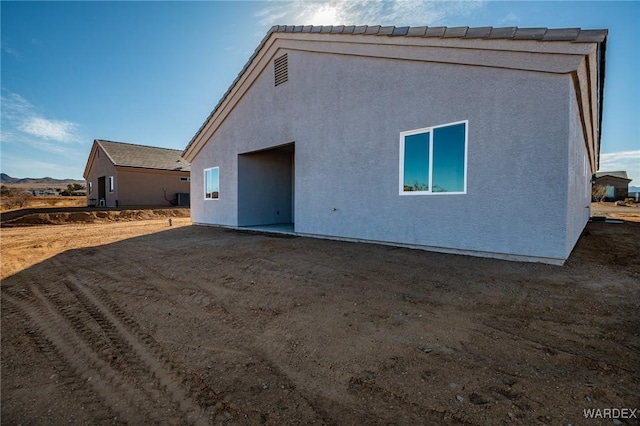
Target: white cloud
x=14, y=106
x=271, y=15
x=511, y=18
x=11, y=51
x=628, y=161
x=21, y=122
x=365, y=12
x=61, y=131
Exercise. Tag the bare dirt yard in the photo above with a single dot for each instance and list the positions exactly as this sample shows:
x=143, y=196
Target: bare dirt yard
x=139, y=322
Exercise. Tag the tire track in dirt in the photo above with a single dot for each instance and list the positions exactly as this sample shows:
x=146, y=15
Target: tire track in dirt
x=184, y=388
x=83, y=394
x=157, y=283
x=386, y=398
x=195, y=297
x=120, y=362
x=84, y=363
x=582, y=355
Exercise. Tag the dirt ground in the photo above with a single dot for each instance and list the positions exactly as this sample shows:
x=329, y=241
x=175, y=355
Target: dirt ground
x=10, y=203
x=139, y=322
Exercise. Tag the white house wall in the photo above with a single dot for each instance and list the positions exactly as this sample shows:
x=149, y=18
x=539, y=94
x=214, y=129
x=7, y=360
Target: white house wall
x=345, y=114
x=579, y=178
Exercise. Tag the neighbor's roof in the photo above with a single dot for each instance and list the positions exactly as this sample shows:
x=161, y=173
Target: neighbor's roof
x=572, y=35
x=619, y=174
x=140, y=156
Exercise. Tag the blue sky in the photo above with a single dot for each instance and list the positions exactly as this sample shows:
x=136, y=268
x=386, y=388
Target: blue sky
x=151, y=72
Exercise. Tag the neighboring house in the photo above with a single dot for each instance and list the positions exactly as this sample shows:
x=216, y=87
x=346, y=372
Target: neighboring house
x=478, y=141
x=123, y=174
x=617, y=184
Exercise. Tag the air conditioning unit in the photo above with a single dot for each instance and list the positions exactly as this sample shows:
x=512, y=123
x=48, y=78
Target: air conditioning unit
x=183, y=199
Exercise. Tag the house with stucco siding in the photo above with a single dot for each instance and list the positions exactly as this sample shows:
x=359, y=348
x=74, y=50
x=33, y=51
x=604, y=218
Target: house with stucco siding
x=477, y=141
x=120, y=174
x=616, y=184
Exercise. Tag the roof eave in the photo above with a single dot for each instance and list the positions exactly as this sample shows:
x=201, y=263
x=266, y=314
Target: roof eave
x=572, y=35
x=125, y=166
x=92, y=154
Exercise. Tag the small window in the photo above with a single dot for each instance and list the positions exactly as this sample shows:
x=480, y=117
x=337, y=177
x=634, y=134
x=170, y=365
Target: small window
x=90, y=187
x=433, y=160
x=211, y=183
x=185, y=179
x=111, y=184
x=611, y=191
x=281, y=70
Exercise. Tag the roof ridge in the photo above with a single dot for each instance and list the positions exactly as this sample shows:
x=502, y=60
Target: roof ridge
x=577, y=35
x=136, y=144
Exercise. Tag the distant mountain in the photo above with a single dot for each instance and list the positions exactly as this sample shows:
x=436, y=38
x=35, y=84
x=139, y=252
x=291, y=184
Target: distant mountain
x=5, y=178
x=37, y=183
x=634, y=189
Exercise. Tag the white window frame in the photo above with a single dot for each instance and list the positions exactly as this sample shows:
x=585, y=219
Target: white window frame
x=90, y=188
x=112, y=184
x=204, y=186
x=430, y=165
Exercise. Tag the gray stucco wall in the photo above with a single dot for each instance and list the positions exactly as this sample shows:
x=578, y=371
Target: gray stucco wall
x=265, y=188
x=579, y=178
x=345, y=115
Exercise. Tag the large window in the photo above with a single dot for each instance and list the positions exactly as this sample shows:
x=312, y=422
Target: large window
x=212, y=183
x=433, y=160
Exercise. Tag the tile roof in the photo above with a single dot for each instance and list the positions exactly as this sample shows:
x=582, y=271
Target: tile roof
x=148, y=157
x=574, y=35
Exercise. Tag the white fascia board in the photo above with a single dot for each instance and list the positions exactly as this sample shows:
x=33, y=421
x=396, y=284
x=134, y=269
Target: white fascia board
x=528, y=61
x=507, y=45
x=586, y=89
x=236, y=93
x=92, y=155
x=594, y=98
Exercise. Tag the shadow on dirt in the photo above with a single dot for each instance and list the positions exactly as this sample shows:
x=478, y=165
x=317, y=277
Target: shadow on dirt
x=203, y=325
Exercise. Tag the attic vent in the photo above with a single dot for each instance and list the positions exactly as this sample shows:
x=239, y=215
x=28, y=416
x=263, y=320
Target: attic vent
x=281, y=70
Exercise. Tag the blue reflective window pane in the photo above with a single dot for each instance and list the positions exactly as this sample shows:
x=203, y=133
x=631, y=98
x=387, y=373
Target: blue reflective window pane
x=448, y=158
x=212, y=183
x=416, y=162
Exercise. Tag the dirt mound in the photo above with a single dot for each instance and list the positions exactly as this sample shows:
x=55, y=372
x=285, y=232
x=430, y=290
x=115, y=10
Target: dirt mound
x=101, y=216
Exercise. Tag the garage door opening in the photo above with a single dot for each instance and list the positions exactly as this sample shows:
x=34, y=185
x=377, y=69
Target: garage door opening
x=266, y=181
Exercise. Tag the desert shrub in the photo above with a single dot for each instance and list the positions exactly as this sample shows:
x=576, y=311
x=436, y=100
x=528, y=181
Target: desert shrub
x=8, y=203
x=23, y=198
x=629, y=201
x=598, y=192
x=16, y=200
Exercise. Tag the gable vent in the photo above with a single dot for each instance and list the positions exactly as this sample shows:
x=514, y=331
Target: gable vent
x=281, y=70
